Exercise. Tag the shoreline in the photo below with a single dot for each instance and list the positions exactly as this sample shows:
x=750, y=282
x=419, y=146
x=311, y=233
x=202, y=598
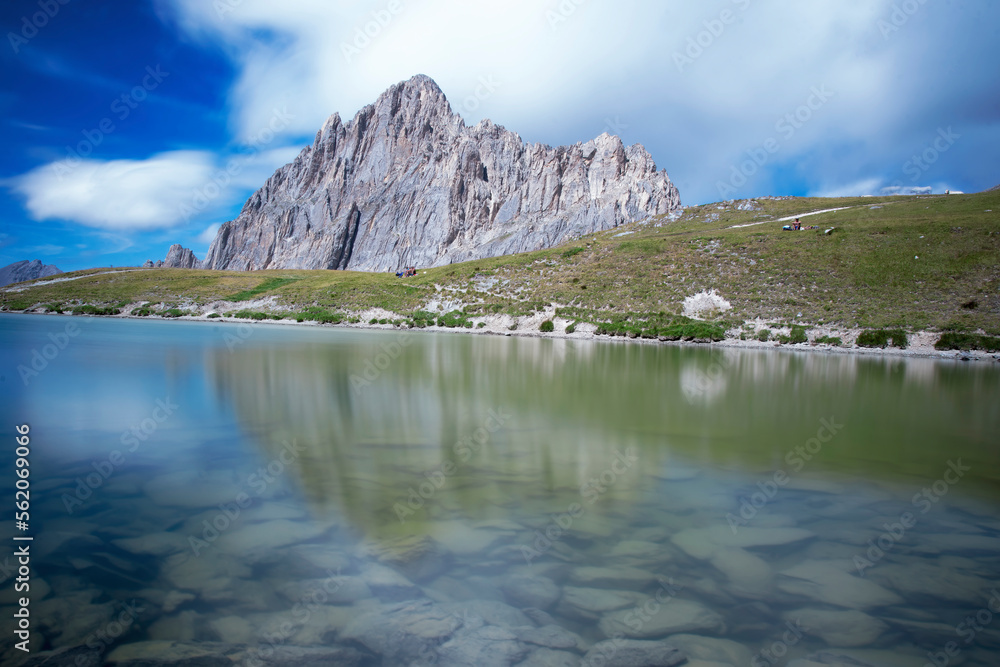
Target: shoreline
x=920, y=352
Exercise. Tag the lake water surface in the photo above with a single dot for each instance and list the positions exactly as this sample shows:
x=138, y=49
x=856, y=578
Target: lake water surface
x=213, y=494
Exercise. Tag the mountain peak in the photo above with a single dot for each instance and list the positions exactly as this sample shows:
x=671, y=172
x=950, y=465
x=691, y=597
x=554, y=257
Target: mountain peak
x=26, y=270
x=405, y=182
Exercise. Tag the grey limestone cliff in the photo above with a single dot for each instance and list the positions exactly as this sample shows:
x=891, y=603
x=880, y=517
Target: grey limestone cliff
x=406, y=182
x=178, y=257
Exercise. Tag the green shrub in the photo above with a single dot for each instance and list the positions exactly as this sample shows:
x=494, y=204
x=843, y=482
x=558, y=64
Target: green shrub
x=883, y=338
x=697, y=331
x=763, y=335
x=547, y=327
x=251, y=315
x=173, y=312
x=142, y=311
x=661, y=325
x=319, y=315
x=798, y=335
x=212, y=316
x=481, y=325
x=53, y=308
x=373, y=320
x=828, y=340
x=95, y=310
x=455, y=320
x=951, y=340
x=572, y=251
x=571, y=328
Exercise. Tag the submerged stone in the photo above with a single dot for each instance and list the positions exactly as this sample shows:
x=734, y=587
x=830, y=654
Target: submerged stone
x=529, y=591
x=314, y=560
x=702, y=543
x=153, y=544
x=618, y=577
x=591, y=602
x=489, y=611
x=488, y=646
x=918, y=579
x=419, y=557
x=633, y=653
x=210, y=654
x=839, y=628
x=408, y=631
x=748, y=575
x=342, y=589
x=830, y=582
x=550, y=636
x=711, y=649
x=671, y=617
x=387, y=584
x=546, y=657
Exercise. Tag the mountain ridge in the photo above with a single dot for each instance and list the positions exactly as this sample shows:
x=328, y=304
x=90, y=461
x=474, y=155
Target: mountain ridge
x=26, y=270
x=407, y=182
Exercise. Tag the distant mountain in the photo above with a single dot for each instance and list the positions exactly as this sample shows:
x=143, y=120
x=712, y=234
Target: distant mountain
x=25, y=270
x=178, y=257
x=407, y=183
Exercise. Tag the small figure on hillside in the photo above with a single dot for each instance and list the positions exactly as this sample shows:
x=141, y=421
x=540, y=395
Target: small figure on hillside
x=797, y=226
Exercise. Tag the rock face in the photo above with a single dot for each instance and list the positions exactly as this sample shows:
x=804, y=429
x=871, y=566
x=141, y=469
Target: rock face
x=179, y=257
x=25, y=270
x=407, y=183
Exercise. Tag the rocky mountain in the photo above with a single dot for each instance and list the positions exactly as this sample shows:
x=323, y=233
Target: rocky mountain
x=25, y=270
x=406, y=182
x=178, y=257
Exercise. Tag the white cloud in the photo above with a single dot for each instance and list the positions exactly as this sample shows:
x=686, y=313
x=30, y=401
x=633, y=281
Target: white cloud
x=115, y=194
x=163, y=191
x=320, y=65
x=561, y=60
x=208, y=235
x=564, y=66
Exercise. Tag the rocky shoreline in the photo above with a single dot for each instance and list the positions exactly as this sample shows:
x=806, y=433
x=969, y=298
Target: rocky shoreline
x=922, y=342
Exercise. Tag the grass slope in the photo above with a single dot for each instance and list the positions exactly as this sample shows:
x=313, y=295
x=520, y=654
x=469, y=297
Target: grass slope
x=911, y=263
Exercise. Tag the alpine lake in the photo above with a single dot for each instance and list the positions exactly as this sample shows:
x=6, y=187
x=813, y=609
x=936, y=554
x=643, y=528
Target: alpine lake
x=210, y=493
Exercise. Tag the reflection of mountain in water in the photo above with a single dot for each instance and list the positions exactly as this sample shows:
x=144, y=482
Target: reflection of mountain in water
x=573, y=405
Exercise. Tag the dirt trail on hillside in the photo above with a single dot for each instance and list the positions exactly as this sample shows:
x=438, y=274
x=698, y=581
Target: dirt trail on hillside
x=63, y=280
x=792, y=217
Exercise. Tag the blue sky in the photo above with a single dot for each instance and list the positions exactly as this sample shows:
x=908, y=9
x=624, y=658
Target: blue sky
x=129, y=126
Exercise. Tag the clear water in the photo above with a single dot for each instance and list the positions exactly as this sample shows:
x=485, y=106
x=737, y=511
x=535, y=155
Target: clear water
x=248, y=488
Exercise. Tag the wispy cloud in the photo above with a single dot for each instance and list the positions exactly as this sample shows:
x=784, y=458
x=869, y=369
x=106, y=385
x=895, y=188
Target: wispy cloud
x=208, y=235
x=114, y=194
x=139, y=195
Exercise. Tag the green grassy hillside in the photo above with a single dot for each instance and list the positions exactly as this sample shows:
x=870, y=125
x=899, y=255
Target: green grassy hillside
x=928, y=263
